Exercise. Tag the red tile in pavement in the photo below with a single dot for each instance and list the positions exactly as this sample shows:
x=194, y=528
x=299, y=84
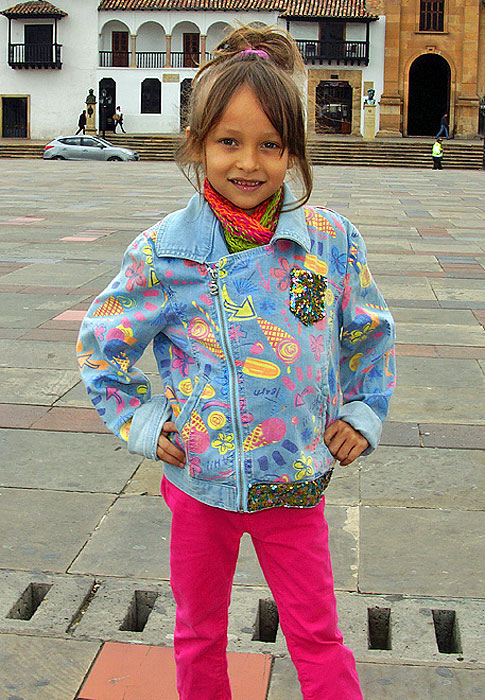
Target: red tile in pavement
x=416, y=350
x=70, y=315
x=14, y=415
x=71, y=420
x=11, y=288
x=141, y=672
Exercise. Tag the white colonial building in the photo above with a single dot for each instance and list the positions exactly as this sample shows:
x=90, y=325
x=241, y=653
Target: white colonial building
x=143, y=55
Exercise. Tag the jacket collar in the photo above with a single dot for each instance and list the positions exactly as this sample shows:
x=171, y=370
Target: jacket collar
x=193, y=233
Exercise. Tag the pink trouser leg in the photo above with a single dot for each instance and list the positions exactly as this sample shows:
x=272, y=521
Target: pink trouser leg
x=203, y=557
x=292, y=548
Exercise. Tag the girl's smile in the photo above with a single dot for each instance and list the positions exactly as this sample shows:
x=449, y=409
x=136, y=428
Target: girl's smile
x=243, y=155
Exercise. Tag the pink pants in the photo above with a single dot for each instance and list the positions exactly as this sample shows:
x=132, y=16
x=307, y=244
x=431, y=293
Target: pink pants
x=292, y=548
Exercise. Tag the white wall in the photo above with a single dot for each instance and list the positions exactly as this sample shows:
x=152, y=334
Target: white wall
x=304, y=30
x=57, y=97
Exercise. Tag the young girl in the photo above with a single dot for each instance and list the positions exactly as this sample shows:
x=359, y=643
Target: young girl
x=276, y=353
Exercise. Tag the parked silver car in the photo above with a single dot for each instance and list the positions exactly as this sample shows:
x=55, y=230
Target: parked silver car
x=86, y=148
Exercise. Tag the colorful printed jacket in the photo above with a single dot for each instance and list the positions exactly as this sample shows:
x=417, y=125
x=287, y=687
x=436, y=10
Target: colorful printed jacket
x=258, y=352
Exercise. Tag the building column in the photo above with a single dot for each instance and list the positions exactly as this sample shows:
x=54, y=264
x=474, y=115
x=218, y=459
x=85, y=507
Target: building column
x=203, y=40
x=168, y=61
x=133, y=51
x=467, y=103
x=391, y=100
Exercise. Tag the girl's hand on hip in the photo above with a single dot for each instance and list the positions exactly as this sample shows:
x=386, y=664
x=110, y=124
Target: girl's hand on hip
x=344, y=442
x=166, y=450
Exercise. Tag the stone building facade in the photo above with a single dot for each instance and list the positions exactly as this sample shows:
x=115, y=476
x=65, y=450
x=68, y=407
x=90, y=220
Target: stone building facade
x=434, y=64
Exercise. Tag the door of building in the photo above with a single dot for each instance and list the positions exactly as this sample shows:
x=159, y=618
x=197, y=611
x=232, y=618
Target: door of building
x=333, y=107
x=107, y=104
x=331, y=36
x=191, y=50
x=119, y=47
x=14, y=117
x=38, y=43
x=429, y=94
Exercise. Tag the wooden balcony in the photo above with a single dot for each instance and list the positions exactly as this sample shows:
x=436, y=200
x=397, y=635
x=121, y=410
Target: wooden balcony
x=346, y=52
x=150, y=59
x=34, y=55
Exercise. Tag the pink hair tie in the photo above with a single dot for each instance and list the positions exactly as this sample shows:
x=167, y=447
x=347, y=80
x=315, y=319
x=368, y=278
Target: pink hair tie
x=259, y=52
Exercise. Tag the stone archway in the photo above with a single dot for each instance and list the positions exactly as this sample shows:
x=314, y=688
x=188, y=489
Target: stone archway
x=429, y=94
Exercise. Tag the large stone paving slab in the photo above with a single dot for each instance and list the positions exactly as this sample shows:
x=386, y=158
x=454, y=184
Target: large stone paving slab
x=454, y=374
x=59, y=274
x=133, y=540
x=38, y=354
x=423, y=478
x=43, y=669
x=31, y=310
x=36, y=386
x=64, y=461
x=46, y=529
x=381, y=681
x=446, y=334
x=435, y=317
x=437, y=405
x=419, y=551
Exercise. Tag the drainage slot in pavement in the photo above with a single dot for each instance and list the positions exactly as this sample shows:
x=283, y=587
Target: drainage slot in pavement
x=139, y=611
x=446, y=631
x=379, y=628
x=29, y=601
x=267, y=620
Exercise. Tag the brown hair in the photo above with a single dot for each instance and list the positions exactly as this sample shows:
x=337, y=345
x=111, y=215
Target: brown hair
x=271, y=82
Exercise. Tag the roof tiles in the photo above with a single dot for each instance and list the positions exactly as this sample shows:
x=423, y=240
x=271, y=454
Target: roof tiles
x=34, y=8
x=290, y=8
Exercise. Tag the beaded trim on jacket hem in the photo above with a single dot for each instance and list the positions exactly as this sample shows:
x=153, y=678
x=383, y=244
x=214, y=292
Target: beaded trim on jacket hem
x=290, y=495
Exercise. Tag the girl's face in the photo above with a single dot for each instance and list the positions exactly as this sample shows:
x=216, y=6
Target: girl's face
x=243, y=156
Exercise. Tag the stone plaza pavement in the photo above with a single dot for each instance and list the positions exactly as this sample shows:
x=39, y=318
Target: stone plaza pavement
x=83, y=529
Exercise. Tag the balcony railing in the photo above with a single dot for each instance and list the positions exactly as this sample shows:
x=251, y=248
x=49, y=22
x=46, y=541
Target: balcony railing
x=347, y=52
x=150, y=59
x=34, y=55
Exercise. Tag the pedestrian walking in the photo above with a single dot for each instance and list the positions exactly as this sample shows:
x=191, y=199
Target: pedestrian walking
x=118, y=120
x=82, y=122
x=437, y=155
x=444, y=128
x=275, y=349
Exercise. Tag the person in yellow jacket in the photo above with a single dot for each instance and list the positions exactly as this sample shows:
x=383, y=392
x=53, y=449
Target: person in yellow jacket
x=437, y=155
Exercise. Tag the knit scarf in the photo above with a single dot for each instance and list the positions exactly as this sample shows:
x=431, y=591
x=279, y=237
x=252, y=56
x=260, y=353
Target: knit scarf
x=241, y=230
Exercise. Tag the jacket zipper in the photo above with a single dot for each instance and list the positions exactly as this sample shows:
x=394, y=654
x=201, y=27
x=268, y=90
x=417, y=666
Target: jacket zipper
x=214, y=291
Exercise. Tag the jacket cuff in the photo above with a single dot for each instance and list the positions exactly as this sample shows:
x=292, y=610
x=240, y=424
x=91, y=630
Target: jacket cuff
x=361, y=417
x=146, y=426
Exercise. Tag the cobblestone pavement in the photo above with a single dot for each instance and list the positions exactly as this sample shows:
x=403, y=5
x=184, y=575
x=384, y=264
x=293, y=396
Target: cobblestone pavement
x=83, y=527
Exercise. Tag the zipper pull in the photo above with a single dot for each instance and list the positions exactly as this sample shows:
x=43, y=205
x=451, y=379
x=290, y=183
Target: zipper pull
x=213, y=288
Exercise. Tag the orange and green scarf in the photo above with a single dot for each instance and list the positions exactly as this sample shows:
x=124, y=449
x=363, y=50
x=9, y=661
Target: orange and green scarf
x=241, y=230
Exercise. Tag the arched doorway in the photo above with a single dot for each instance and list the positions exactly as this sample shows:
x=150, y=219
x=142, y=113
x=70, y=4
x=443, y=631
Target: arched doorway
x=107, y=104
x=333, y=107
x=429, y=94
x=185, y=92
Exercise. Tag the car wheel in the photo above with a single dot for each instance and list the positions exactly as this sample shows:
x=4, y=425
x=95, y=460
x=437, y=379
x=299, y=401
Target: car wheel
x=114, y=158
x=58, y=158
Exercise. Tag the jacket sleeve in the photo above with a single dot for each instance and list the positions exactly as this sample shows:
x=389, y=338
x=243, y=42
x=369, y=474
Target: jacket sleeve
x=367, y=365
x=119, y=325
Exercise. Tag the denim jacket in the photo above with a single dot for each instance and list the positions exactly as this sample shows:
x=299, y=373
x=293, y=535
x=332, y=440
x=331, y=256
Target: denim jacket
x=259, y=351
